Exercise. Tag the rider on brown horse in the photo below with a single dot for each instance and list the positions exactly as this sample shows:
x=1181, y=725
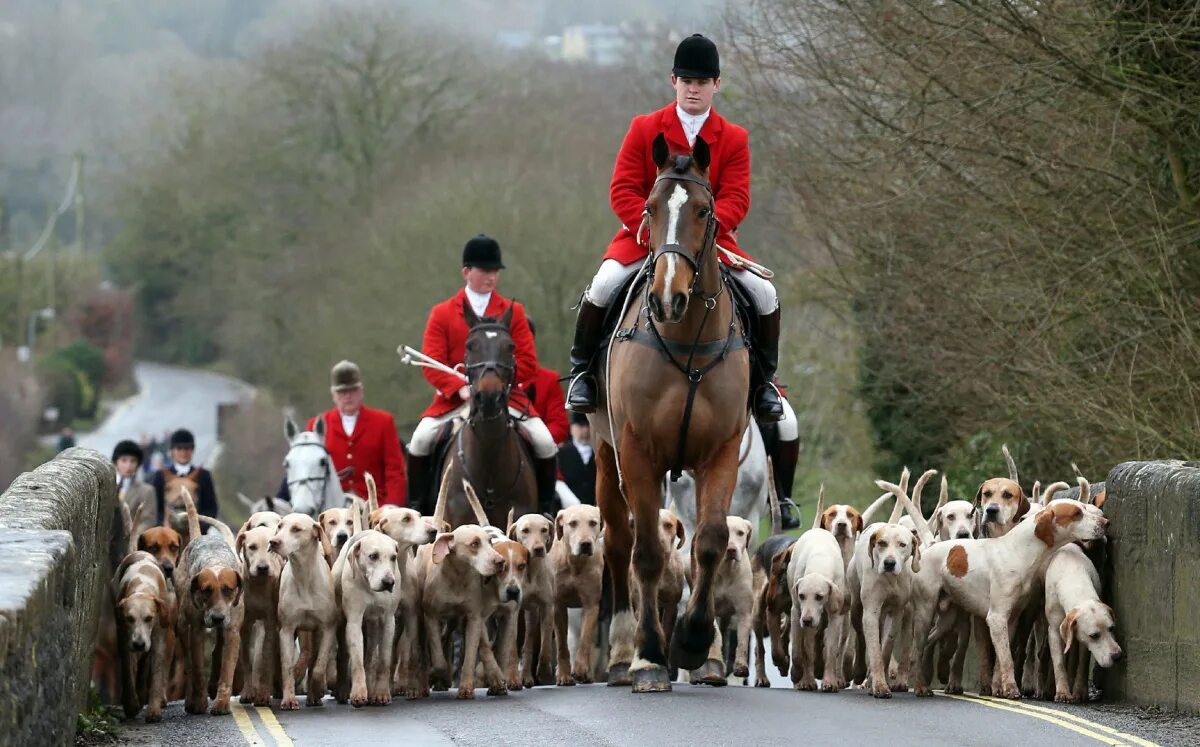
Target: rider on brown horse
x=696, y=77
x=445, y=340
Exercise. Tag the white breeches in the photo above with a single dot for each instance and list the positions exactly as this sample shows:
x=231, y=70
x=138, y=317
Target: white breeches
x=789, y=429
x=612, y=275
x=538, y=435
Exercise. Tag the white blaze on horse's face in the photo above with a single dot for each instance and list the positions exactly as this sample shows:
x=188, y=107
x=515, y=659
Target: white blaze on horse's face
x=670, y=306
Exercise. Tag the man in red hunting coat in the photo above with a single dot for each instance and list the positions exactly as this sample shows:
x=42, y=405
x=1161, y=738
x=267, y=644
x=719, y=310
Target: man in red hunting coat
x=361, y=439
x=696, y=77
x=445, y=341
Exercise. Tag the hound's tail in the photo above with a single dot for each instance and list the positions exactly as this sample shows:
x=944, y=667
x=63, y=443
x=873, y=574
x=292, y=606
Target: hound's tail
x=225, y=531
x=473, y=499
x=193, y=518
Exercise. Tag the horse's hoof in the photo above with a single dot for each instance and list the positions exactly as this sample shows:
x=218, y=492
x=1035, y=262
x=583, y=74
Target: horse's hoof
x=689, y=647
x=652, y=679
x=711, y=672
x=619, y=676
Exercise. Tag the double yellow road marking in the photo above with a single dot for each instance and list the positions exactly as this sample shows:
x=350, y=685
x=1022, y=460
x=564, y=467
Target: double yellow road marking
x=1099, y=732
x=241, y=716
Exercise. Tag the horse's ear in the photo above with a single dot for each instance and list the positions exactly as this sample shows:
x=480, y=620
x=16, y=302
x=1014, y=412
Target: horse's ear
x=319, y=428
x=701, y=154
x=660, y=151
x=506, y=317
x=289, y=428
x=469, y=314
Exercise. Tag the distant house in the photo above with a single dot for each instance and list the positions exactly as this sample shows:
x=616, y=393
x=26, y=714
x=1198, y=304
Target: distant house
x=598, y=44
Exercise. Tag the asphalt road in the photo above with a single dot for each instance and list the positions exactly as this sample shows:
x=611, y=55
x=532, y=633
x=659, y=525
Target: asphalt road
x=169, y=398
x=690, y=714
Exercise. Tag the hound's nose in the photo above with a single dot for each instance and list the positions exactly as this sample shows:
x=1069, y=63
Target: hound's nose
x=992, y=511
x=585, y=547
x=1103, y=522
x=137, y=645
x=387, y=584
x=731, y=552
x=274, y=543
x=217, y=618
x=806, y=622
x=342, y=537
x=431, y=534
x=889, y=565
x=1117, y=655
x=168, y=570
x=262, y=569
x=962, y=534
x=539, y=552
x=512, y=594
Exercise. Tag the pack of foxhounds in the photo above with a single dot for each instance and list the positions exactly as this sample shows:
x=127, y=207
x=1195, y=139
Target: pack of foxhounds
x=369, y=602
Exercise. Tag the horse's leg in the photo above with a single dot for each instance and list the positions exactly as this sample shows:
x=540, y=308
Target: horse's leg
x=643, y=485
x=618, y=547
x=714, y=485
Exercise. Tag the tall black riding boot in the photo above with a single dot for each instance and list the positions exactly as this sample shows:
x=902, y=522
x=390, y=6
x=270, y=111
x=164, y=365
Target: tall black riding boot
x=589, y=334
x=546, y=471
x=418, y=469
x=784, y=458
x=767, y=406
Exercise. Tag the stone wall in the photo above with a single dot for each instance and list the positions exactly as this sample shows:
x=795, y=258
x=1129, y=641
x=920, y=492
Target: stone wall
x=1154, y=576
x=55, y=524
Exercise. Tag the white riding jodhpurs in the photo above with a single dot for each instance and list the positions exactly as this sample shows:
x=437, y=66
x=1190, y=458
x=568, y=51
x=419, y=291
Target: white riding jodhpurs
x=612, y=275
x=536, y=432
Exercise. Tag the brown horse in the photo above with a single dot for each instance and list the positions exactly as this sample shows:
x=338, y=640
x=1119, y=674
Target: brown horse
x=676, y=401
x=488, y=451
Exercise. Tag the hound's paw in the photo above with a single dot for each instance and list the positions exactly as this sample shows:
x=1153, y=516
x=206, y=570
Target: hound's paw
x=380, y=699
x=196, y=706
x=761, y=681
x=881, y=690
x=358, y=697
x=564, y=680
x=954, y=690
x=497, y=690
x=1064, y=697
x=829, y=686
x=289, y=704
x=153, y=716
x=526, y=681
x=582, y=676
x=1011, y=692
x=466, y=693
x=220, y=707
x=741, y=670
x=313, y=701
x=516, y=684
x=923, y=691
x=899, y=685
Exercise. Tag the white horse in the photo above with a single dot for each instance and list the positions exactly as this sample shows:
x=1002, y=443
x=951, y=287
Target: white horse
x=749, y=492
x=311, y=478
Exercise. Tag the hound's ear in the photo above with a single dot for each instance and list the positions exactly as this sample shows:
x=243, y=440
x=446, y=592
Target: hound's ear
x=871, y=548
x=857, y=520
x=749, y=526
x=701, y=154
x=512, y=531
x=935, y=523
x=659, y=150
x=354, y=558
x=836, y=599
x=164, y=613
x=1067, y=630
x=319, y=428
x=141, y=543
x=1098, y=500
x=238, y=599
x=680, y=535
x=1022, y=505
x=443, y=546
x=290, y=430
x=979, y=494
x=326, y=548
x=916, y=553
x=374, y=517
x=558, y=525
x=241, y=538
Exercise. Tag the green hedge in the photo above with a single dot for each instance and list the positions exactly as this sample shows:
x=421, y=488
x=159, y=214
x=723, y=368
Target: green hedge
x=73, y=376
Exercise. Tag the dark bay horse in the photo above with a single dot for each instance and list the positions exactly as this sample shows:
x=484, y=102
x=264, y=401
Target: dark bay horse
x=673, y=397
x=487, y=450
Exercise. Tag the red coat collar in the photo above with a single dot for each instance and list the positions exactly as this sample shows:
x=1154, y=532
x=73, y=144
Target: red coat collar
x=497, y=304
x=668, y=118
